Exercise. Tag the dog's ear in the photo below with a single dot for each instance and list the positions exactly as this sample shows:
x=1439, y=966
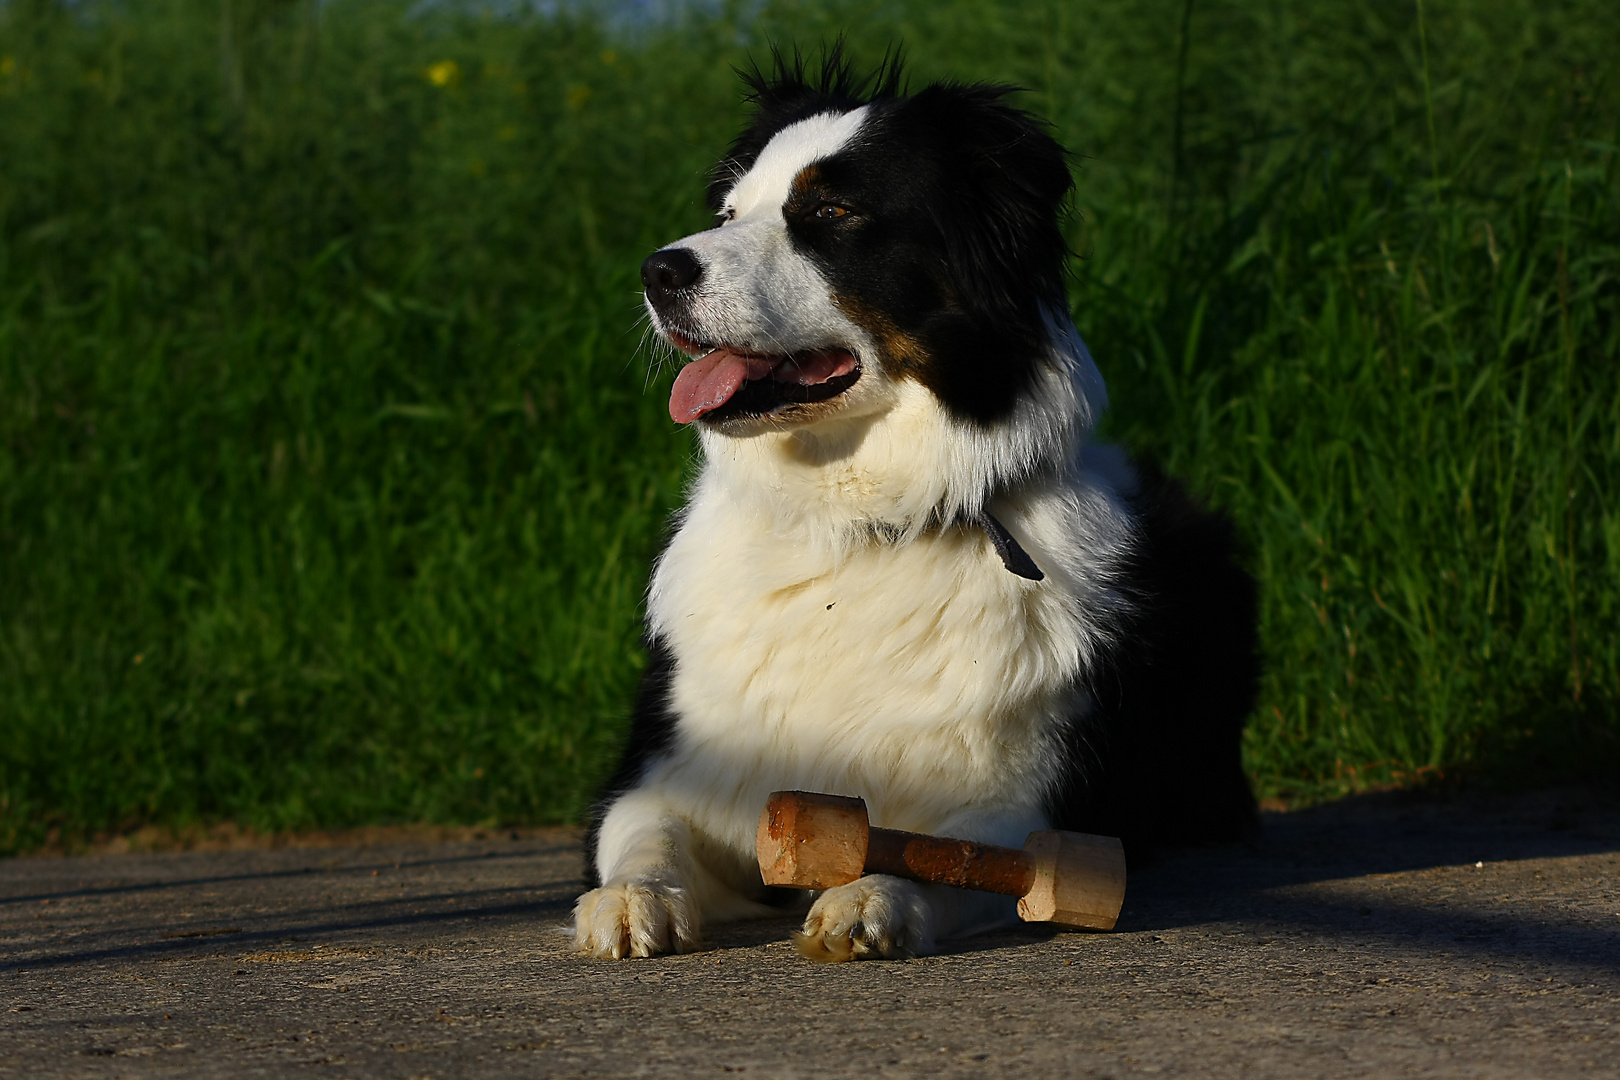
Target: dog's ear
x=997, y=193
x=792, y=89
x=1006, y=185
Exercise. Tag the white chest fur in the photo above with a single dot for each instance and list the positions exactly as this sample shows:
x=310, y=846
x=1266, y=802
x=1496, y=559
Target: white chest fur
x=921, y=676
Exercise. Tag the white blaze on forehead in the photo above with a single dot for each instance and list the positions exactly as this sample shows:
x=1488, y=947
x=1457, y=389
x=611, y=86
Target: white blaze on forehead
x=764, y=188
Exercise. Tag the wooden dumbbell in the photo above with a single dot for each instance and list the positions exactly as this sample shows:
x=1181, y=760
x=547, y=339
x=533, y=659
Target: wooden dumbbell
x=811, y=841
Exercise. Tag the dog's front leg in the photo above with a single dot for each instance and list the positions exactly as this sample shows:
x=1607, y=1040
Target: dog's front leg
x=885, y=917
x=648, y=901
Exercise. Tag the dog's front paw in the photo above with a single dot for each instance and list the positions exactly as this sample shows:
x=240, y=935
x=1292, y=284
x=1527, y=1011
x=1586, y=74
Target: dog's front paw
x=636, y=918
x=877, y=916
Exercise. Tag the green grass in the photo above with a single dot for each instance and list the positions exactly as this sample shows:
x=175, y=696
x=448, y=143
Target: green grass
x=330, y=470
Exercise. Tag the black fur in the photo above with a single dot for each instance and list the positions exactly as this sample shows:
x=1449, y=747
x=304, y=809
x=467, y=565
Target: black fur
x=790, y=93
x=1158, y=762
x=652, y=730
x=951, y=246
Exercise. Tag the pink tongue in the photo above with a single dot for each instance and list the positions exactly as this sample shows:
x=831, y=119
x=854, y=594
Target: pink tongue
x=807, y=369
x=708, y=382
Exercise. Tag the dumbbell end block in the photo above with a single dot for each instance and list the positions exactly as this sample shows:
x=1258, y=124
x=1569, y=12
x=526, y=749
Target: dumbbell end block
x=1079, y=880
x=811, y=841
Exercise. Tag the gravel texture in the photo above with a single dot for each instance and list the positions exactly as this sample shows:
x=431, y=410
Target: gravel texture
x=1380, y=936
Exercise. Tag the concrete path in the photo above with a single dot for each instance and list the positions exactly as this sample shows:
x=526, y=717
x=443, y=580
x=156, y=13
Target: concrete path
x=1377, y=937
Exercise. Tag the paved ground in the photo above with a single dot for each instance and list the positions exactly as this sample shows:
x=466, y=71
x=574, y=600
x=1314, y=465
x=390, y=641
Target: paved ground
x=1358, y=939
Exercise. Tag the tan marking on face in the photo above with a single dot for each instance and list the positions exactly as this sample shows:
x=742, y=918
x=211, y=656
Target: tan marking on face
x=806, y=181
x=804, y=192
x=902, y=355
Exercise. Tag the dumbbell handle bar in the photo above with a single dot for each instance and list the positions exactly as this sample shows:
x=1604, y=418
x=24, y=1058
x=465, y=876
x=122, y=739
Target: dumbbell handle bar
x=808, y=840
x=962, y=863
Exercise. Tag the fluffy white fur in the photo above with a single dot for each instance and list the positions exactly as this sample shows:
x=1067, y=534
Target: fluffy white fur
x=902, y=663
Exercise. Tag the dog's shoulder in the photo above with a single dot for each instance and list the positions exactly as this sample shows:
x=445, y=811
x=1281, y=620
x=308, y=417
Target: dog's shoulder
x=1156, y=758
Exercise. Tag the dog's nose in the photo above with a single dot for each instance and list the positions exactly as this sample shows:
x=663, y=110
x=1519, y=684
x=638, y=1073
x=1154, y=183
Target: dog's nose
x=667, y=272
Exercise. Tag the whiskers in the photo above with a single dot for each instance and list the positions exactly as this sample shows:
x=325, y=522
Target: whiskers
x=657, y=351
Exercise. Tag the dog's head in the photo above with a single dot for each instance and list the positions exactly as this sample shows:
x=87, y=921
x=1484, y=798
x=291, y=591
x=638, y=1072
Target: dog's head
x=868, y=243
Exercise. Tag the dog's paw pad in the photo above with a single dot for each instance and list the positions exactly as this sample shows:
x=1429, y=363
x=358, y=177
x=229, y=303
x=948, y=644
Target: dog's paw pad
x=636, y=918
x=877, y=917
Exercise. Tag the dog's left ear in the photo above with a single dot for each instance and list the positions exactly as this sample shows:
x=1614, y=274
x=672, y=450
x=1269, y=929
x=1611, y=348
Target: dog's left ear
x=1006, y=184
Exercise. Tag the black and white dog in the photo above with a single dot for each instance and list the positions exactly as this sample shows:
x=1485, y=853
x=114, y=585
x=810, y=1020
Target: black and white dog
x=904, y=573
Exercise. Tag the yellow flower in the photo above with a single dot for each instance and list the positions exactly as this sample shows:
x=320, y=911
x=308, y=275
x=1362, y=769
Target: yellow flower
x=444, y=73
x=609, y=56
x=7, y=66
x=578, y=95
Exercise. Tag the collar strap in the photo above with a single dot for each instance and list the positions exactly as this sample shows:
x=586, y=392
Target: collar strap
x=1013, y=557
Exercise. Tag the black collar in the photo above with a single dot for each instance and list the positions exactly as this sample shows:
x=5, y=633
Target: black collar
x=1013, y=557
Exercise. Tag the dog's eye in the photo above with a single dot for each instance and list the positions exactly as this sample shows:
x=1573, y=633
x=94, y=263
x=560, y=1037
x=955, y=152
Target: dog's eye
x=829, y=212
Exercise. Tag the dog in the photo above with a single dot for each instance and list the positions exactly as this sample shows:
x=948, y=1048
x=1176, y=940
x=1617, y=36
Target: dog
x=904, y=572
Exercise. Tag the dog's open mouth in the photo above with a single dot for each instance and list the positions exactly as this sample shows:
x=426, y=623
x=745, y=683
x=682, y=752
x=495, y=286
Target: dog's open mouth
x=725, y=382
